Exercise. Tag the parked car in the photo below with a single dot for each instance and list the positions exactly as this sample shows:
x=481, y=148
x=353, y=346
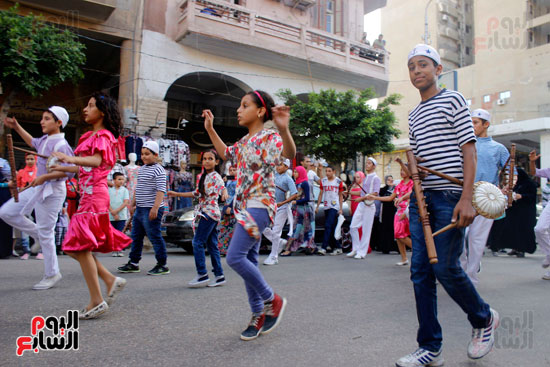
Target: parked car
x=177, y=227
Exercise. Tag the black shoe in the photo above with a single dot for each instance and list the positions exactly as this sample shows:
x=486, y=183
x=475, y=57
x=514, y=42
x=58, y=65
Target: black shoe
x=512, y=253
x=128, y=268
x=159, y=270
x=520, y=254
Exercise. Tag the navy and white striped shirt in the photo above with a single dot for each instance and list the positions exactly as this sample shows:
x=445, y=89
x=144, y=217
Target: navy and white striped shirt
x=151, y=179
x=438, y=128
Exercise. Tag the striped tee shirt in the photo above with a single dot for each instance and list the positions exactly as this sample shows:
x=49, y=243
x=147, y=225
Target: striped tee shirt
x=151, y=178
x=438, y=128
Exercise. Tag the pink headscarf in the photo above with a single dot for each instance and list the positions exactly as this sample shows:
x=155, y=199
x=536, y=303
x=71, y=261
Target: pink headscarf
x=302, y=175
x=362, y=175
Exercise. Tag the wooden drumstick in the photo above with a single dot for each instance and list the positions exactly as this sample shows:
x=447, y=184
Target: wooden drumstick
x=11, y=160
x=442, y=175
x=31, y=152
x=422, y=211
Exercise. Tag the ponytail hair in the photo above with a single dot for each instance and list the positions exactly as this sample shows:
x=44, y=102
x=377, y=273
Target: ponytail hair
x=263, y=99
x=203, y=173
x=111, y=114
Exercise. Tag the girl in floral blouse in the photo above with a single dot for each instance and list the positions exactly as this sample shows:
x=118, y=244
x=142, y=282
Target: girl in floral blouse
x=257, y=154
x=207, y=216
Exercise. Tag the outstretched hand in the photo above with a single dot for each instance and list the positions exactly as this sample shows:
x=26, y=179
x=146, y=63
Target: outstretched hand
x=10, y=122
x=533, y=156
x=208, y=119
x=281, y=116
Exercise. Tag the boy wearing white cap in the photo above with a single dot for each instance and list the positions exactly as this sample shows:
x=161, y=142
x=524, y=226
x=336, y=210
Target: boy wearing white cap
x=491, y=158
x=46, y=193
x=441, y=132
x=148, y=207
x=364, y=214
x=283, y=185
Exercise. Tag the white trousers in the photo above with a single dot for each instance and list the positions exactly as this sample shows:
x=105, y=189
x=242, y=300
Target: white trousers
x=542, y=230
x=362, y=218
x=273, y=234
x=43, y=231
x=476, y=237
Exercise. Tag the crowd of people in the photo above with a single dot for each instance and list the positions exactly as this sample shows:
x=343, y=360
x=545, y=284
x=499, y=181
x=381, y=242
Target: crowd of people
x=263, y=191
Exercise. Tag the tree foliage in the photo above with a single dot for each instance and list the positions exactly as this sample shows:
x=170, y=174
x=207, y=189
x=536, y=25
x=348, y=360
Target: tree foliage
x=36, y=55
x=338, y=125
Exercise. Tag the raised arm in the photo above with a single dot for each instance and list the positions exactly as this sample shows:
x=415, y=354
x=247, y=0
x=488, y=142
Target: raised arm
x=12, y=123
x=281, y=119
x=214, y=137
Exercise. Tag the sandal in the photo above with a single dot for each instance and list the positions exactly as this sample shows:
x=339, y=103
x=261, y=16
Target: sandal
x=286, y=253
x=94, y=312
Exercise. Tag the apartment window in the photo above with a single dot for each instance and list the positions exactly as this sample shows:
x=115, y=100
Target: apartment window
x=487, y=98
x=467, y=50
x=505, y=95
x=468, y=28
x=330, y=16
x=548, y=38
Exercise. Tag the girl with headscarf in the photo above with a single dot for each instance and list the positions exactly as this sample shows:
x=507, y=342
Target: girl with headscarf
x=303, y=236
x=387, y=241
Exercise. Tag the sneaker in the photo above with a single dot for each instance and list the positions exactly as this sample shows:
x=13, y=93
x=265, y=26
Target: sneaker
x=495, y=254
x=358, y=257
x=273, y=313
x=116, y=288
x=120, y=254
x=483, y=338
x=546, y=275
x=114, y=254
x=402, y=263
x=338, y=251
x=24, y=257
x=159, y=270
x=39, y=256
x=14, y=253
x=271, y=260
x=47, y=282
x=322, y=252
x=546, y=262
x=199, y=281
x=254, y=327
x=128, y=268
x=94, y=312
x=352, y=254
x=421, y=357
x=218, y=281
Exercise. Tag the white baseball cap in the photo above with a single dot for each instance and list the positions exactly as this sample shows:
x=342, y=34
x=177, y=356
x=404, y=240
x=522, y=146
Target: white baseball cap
x=372, y=160
x=152, y=146
x=482, y=114
x=286, y=162
x=61, y=114
x=425, y=50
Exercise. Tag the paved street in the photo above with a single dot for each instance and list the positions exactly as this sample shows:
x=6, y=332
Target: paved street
x=341, y=312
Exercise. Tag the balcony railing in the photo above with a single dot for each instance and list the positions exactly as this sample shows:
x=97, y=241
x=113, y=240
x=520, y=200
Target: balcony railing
x=236, y=23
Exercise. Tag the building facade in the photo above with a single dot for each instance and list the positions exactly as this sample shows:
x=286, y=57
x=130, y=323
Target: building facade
x=501, y=62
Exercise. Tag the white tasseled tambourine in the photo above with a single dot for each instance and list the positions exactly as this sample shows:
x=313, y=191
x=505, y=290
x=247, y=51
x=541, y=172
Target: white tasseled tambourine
x=52, y=161
x=488, y=200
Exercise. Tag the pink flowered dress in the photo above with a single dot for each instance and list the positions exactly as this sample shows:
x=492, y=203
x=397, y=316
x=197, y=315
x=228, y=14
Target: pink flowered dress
x=90, y=228
x=256, y=158
x=401, y=226
x=208, y=205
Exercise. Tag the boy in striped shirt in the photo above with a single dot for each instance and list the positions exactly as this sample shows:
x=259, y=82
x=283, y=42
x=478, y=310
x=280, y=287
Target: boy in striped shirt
x=149, y=208
x=441, y=132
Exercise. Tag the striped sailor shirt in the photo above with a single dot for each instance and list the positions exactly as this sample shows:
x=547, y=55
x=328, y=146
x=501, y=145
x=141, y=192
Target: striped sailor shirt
x=151, y=178
x=438, y=128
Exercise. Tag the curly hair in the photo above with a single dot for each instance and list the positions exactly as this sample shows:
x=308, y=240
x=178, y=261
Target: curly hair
x=268, y=105
x=111, y=118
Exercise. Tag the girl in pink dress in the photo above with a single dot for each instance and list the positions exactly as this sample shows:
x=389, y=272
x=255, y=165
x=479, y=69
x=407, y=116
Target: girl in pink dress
x=90, y=229
x=355, y=189
x=401, y=195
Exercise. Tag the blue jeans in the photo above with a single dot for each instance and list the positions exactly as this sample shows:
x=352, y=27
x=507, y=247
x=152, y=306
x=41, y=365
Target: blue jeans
x=242, y=256
x=141, y=227
x=184, y=202
x=449, y=246
x=206, y=233
x=331, y=218
x=118, y=224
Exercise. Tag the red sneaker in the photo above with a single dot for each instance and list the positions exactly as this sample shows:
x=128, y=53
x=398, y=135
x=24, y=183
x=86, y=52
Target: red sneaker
x=254, y=327
x=273, y=313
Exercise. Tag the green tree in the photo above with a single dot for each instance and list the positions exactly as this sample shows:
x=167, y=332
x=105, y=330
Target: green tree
x=35, y=56
x=338, y=125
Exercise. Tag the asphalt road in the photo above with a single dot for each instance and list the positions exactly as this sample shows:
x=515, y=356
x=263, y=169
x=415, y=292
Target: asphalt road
x=341, y=312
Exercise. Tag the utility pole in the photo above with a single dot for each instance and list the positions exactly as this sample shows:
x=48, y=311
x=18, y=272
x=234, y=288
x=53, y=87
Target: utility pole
x=426, y=32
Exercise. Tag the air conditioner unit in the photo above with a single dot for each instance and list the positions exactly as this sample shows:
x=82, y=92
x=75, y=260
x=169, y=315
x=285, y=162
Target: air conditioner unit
x=445, y=18
x=501, y=102
x=507, y=121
